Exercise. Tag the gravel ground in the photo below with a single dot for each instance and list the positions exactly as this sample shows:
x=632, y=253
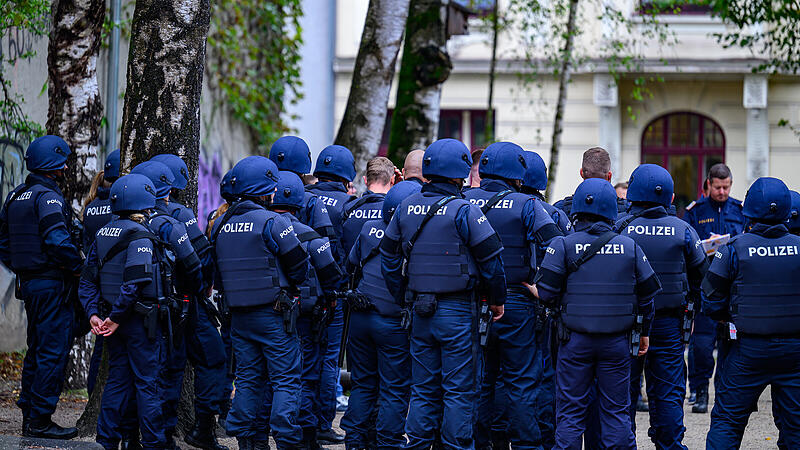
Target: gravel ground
x=760, y=432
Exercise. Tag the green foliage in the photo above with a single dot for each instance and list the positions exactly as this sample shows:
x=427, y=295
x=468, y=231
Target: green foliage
x=255, y=49
x=29, y=16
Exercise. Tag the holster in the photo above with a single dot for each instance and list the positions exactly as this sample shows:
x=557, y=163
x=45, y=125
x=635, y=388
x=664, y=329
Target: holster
x=289, y=305
x=484, y=322
x=562, y=331
x=150, y=313
x=319, y=321
x=425, y=304
x=688, y=320
x=211, y=311
x=636, y=335
x=541, y=319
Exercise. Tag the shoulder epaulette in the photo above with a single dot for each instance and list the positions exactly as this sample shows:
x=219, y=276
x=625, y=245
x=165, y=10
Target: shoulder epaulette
x=691, y=205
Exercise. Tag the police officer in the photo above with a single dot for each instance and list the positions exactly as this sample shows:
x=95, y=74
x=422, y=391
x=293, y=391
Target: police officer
x=317, y=301
x=204, y=347
x=716, y=214
x=753, y=283
x=600, y=296
x=412, y=167
x=534, y=182
x=794, y=218
x=96, y=214
x=122, y=290
x=523, y=225
x=259, y=259
x=379, y=178
x=377, y=348
x=335, y=169
x=36, y=245
x=596, y=164
x=678, y=259
x=446, y=257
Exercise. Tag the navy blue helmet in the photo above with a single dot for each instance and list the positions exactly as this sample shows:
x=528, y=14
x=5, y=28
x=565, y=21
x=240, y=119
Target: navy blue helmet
x=289, y=191
x=651, y=183
x=159, y=174
x=337, y=161
x=254, y=176
x=397, y=194
x=111, y=167
x=177, y=166
x=595, y=196
x=291, y=153
x=535, y=172
x=225, y=187
x=448, y=158
x=503, y=160
x=768, y=200
x=132, y=193
x=46, y=154
x=794, y=217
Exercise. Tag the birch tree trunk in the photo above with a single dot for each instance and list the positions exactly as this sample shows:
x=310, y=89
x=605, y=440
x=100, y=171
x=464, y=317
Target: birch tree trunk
x=365, y=115
x=74, y=113
x=565, y=73
x=492, y=66
x=165, y=79
x=423, y=69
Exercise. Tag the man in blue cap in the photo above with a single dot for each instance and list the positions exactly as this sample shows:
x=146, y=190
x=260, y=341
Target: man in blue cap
x=436, y=250
x=36, y=244
x=603, y=286
x=753, y=284
x=714, y=215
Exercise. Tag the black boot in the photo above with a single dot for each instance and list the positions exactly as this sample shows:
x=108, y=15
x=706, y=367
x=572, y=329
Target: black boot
x=329, y=437
x=261, y=445
x=131, y=442
x=43, y=427
x=692, y=398
x=701, y=406
x=25, y=424
x=246, y=443
x=500, y=444
x=204, y=434
x=310, y=439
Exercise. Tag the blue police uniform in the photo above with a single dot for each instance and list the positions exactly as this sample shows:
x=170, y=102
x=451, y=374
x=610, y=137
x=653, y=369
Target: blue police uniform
x=456, y=250
x=259, y=258
x=123, y=280
x=708, y=217
x=523, y=226
x=598, y=303
x=753, y=283
x=377, y=348
x=35, y=244
x=356, y=213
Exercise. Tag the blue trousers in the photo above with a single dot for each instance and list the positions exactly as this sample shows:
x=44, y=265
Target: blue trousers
x=546, y=394
x=225, y=334
x=259, y=341
x=582, y=358
x=444, y=375
x=309, y=380
x=666, y=383
x=329, y=377
x=752, y=364
x=206, y=352
x=50, y=321
x=514, y=351
x=134, y=367
x=701, y=352
x=380, y=366
x=171, y=382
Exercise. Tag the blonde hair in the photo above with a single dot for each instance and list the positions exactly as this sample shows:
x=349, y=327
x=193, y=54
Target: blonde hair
x=138, y=217
x=97, y=181
x=217, y=214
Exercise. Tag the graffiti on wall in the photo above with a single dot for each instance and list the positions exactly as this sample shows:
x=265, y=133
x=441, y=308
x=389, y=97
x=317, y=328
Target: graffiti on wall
x=209, y=174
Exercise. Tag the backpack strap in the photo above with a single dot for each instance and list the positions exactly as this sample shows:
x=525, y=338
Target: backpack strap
x=594, y=247
x=494, y=200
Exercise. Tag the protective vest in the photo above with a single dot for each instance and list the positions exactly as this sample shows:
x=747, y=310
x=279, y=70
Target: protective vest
x=356, y=213
x=564, y=225
x=249, y=270
x=310, y=289
x=601, y=295
x=506, y=219
x=26, y=229
x=332, y=195
x=372, y=283
x=663, y=239
x=124, y=264
x=185, y=215
x=96, y=214
x=440, y=261
x=765, y=296
x=187, y=279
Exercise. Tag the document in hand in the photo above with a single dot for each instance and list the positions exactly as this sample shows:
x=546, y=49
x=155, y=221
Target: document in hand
x=712, y=244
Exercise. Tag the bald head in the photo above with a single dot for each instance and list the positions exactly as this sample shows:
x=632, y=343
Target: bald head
x=412, y=167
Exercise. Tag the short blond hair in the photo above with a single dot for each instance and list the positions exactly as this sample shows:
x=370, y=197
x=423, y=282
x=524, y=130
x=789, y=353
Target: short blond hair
x=380, y=170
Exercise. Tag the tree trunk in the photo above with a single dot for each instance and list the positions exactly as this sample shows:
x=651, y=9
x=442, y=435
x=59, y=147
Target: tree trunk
x=492, y=65
x=87, y=423
x=74, y=113
x=165, y=80
x=365, y=116
x=423, y=69
x=565, y=73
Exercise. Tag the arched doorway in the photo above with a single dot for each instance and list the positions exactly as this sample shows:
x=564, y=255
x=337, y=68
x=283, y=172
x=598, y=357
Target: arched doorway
x=687, y=145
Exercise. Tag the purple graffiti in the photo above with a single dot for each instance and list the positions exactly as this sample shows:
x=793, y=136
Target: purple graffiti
x=208, y=178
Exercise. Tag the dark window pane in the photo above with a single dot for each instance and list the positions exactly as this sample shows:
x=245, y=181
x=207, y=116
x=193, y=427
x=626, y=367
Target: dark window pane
x=674, y=7
x=712, y=135
x=653, y=158
x=684, y=173
x=683, y=130
x=478, y=119
x=654, y=134
x=450, y=124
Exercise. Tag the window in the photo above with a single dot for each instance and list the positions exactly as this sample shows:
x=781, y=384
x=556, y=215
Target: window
x=466, y=125
x=686, y=144
x=675, y=7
